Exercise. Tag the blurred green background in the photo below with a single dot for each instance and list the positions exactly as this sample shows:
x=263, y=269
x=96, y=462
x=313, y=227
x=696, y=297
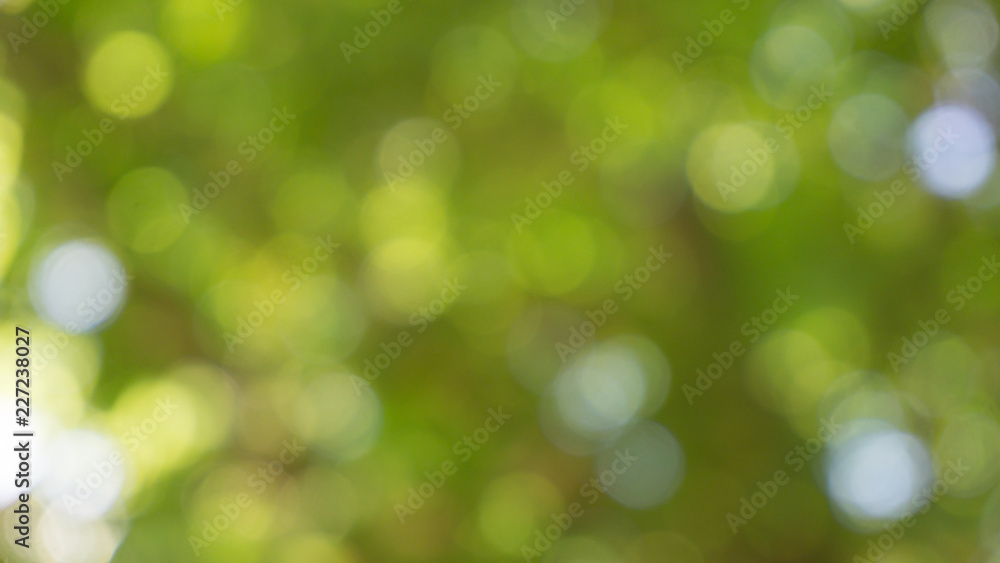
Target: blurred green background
x=531, y=280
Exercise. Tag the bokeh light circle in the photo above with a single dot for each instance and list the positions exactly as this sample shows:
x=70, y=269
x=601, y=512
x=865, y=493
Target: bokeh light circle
x=79, y=286
x=787, y=62
x=965, y=32
x=643, y=468
x=89, y=477
x=549, y=31
x=734, y=168
x=144, y=209
x=877, y=472
x=129, y=75
x=955, y=147
x=866, y=136
x=973, y=88
x=339, y=415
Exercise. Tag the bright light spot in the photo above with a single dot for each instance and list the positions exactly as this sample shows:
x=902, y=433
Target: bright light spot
x=86, y=476
x=79, y=286
x=594, y=398
x=68, y=540
x=956, y=149
x=877, y=474
x=601, y=392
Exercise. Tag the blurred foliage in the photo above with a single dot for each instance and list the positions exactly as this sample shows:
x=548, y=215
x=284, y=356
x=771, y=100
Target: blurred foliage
x=365, y=228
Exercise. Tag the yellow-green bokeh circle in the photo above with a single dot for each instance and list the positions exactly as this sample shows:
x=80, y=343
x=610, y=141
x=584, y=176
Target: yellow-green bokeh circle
x=129, y=75
x=144, y=209
x=203, y=31
x=719, y=155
